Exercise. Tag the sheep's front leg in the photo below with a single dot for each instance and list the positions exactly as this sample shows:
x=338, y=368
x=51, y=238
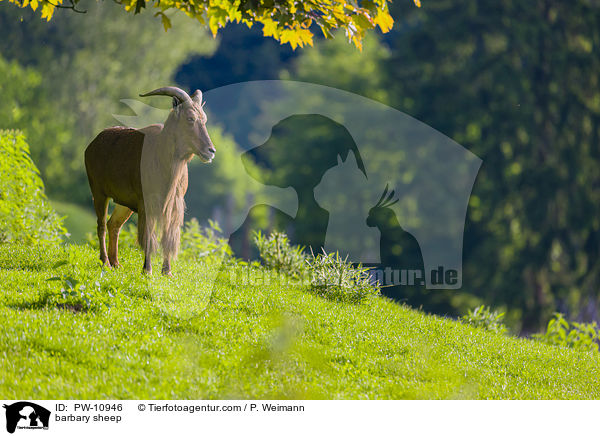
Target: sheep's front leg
x=170, y=243
x=147, y=265
x=166, y=267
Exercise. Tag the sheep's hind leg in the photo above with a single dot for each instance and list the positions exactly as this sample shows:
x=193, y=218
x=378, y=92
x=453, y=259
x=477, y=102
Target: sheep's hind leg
x=101, y=207
x=119, y=216
x=146, y=239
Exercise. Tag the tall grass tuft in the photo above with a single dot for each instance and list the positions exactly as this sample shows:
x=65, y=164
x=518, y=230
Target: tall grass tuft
x=337, y=279
x=486, y=318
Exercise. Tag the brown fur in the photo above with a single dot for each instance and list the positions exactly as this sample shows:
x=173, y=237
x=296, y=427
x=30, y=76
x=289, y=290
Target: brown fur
x=121, y=180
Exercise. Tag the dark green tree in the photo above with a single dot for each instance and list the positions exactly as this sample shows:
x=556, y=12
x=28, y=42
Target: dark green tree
x=517, y=84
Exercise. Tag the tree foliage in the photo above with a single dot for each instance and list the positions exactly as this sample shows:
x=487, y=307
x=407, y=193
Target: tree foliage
x=288, y=21
x=520, y=89
x=77, y=69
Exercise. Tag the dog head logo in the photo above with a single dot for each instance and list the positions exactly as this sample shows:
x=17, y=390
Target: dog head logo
x=26, y=415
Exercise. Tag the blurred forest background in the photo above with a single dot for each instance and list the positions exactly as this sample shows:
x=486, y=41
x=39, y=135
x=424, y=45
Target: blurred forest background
x=514, y=82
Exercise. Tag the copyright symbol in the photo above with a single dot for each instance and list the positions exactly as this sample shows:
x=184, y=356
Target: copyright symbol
x=141, y=407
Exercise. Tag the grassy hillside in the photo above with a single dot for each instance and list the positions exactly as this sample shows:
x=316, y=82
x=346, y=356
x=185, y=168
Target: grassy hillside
x=206, y=334
x=77, y=220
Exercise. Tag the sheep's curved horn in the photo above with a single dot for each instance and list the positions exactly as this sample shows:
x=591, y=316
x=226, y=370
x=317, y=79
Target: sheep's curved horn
x=171, y=91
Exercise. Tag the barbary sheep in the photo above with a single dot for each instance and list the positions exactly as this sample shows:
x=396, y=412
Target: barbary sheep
x=145, y=171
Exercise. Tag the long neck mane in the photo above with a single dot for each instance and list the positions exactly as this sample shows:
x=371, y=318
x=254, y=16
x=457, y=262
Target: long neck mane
x=166, y=178
x=174, y=175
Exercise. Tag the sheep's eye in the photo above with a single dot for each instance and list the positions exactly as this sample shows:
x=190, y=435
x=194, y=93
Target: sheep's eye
x=191, y=119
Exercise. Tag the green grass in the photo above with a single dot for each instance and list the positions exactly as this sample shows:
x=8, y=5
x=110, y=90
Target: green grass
x=203, y=334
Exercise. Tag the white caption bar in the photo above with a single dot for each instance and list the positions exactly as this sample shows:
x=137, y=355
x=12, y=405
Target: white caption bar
x=248, y=417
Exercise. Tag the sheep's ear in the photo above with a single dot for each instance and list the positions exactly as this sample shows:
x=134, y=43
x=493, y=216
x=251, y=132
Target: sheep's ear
x=197, y=97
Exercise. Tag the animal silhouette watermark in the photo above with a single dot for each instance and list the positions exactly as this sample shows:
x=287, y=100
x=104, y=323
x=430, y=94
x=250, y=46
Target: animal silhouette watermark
x=24, y=415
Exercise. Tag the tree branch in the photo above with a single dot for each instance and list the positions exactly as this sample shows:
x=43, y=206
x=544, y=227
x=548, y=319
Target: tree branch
x=73, y=7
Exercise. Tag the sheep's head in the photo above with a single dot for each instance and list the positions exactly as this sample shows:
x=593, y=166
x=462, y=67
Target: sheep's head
x=189, y=122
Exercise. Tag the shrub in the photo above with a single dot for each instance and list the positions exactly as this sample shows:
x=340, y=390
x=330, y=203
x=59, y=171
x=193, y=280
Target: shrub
x=486, y=318
x=330, y=275
x=198, y=241
x=25, y=213
x=277, y=253
x=577, y=335
x=334, y=278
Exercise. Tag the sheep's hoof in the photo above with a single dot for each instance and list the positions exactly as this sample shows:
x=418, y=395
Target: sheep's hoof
x=167, y=273
x=147, y=272
x=115, y=264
